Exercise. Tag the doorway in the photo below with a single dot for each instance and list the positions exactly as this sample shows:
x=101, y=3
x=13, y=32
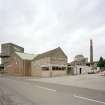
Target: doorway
x=80, y=70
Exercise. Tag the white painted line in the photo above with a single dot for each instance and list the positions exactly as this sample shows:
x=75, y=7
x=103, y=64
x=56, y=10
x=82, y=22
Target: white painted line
x=45, y=88
x=84, y=98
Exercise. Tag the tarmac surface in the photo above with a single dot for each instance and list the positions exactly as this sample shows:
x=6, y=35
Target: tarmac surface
x=91, y=81
x=19, y=91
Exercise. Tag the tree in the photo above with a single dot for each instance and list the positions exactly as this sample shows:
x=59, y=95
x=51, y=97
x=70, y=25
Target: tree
x=104, y=63
x=101, y=63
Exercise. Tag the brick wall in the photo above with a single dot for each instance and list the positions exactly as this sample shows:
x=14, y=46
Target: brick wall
x=18, y=66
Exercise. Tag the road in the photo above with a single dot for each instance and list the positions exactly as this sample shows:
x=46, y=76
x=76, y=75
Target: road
x=14, y=91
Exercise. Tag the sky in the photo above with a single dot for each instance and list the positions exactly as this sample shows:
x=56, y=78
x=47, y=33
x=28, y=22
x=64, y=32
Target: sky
x=42, y=25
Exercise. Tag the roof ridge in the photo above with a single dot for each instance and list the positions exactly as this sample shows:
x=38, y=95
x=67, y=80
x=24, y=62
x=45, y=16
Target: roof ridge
x=49, y=53
x=25, y=53
x=51, y=50
x=26, y=56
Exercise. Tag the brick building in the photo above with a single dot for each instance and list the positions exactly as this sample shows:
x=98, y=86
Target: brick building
x=8, y=49
x=48, y=64
x=51, y=63
x=20, y=64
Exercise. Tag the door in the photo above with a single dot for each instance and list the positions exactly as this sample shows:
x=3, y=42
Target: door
x=80, y=70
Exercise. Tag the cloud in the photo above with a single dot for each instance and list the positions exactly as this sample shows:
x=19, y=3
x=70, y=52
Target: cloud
x=40, y=25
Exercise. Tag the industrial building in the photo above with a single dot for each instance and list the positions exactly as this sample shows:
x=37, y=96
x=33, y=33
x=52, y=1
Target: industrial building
x=7, y=49
x=80, y=64
x=20, y=64
x=80, y=60
x=51, y=63
x=48, y=64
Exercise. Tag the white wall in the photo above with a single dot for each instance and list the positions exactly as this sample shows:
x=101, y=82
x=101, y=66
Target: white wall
x=84, y=69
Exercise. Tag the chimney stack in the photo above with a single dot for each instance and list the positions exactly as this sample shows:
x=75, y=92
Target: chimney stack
x=91, y=51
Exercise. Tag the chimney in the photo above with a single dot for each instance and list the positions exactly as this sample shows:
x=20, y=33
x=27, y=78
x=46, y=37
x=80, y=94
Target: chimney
x=91, y=51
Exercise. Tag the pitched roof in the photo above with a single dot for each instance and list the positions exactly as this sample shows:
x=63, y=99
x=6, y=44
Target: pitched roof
x=26, y=56
x=49, y=53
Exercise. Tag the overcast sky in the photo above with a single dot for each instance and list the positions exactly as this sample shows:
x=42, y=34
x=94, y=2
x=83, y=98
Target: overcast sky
x=41, y=25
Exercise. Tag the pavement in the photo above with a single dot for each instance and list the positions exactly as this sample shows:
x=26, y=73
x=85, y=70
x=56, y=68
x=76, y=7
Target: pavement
x=20, y=91
x=91, y=81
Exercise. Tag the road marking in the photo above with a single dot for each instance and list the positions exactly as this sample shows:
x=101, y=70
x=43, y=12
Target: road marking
x=45, y=88
x=84, y=98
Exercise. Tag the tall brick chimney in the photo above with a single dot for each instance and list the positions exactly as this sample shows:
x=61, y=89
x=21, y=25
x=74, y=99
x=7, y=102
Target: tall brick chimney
x=91, y=51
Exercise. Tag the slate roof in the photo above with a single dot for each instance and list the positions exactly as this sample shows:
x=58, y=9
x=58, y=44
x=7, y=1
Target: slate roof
x=26, y=56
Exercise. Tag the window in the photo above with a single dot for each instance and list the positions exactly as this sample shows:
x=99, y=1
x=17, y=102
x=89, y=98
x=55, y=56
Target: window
x=63, y=68
x=53, y=68
x=58, y=68
x=45, y=68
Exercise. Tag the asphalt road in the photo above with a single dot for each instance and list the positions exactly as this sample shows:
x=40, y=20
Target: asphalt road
x=15, y=91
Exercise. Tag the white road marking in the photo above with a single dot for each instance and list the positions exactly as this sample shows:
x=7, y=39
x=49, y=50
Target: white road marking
x=45, y=88
x=84, y=98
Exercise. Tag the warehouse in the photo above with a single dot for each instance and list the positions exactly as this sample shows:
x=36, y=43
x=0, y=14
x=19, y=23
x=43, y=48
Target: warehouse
x=48, y=64
x=20, y=64
x=51, y=63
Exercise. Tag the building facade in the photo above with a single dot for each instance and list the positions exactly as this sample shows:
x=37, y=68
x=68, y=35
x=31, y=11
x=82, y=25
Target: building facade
x=48, y=64
x=20, y=64
x=80, y=60
x=51, y=63
x=8, y=49
x=79, y=65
